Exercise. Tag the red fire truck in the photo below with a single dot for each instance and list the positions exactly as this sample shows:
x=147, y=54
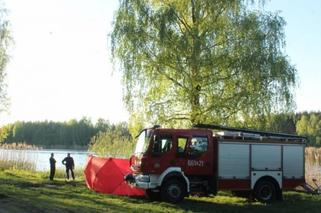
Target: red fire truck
x=173, y=163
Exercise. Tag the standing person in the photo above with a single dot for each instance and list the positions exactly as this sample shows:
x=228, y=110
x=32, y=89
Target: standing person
x=52, y=162
x=69, y=163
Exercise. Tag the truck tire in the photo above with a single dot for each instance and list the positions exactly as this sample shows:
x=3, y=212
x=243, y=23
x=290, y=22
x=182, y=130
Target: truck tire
x=265, y=191
x=152, y=195
x=173, y=191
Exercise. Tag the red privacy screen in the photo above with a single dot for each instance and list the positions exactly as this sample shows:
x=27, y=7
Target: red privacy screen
x=106, y=175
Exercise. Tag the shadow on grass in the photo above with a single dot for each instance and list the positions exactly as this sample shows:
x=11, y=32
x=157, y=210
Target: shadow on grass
x=294, y=202
x=29, y=194
x=71, y=199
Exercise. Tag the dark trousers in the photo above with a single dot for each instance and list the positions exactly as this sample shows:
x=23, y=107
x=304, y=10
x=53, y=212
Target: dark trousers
x=71, y=171
x=52, y=173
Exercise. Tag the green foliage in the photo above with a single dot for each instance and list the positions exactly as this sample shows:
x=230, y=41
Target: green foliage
x=136, y=124
x=185, y=62
x=309, y=125
x=114, y=142
x=103, y=138
x=305, y=124
x=281, y=123
x=6, y=132
x=5, y=41
x=49, y=134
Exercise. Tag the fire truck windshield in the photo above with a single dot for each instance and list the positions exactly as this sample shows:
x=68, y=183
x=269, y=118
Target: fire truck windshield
x=142, y=142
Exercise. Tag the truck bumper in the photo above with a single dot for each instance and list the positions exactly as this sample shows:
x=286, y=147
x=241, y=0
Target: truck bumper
x=142, y=181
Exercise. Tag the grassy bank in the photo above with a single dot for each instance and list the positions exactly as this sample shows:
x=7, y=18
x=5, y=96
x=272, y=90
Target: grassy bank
x=24, y=191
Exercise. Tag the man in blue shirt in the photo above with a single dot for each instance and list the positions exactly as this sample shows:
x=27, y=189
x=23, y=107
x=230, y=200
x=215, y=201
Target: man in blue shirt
x=52, y=162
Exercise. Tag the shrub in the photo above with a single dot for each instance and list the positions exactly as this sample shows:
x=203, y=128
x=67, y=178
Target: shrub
x=112, y=143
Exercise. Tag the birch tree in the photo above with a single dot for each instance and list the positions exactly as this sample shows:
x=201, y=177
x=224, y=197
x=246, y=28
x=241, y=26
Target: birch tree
x=5, y=40
x=209, y=61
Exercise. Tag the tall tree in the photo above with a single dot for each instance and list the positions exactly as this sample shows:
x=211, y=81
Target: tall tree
x=201, y=61
x=309, y=125
x=5, y=40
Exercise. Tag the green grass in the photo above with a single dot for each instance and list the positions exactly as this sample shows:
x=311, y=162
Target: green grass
x=25, y=191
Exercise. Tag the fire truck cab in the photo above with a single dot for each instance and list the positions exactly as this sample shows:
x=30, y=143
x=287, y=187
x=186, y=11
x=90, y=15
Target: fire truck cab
x=173, y=163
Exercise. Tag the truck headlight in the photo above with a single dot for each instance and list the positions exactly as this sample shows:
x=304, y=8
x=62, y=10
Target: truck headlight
x=143, y=178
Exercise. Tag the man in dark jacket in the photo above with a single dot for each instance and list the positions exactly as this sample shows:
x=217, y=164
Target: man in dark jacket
x=52, y=162
x=70, y=165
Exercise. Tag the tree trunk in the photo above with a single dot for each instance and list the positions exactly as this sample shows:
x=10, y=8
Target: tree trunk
x=195, y=67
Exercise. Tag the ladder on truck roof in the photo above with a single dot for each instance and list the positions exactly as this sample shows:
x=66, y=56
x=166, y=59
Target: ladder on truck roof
x=262, y=134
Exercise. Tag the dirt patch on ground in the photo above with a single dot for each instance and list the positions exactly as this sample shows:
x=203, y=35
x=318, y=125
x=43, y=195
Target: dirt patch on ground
x=52, y=186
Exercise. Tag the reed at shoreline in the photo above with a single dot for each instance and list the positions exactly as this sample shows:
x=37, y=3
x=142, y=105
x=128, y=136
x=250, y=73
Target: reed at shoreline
x=19, y=159
x=16, y=164
x=19, y=146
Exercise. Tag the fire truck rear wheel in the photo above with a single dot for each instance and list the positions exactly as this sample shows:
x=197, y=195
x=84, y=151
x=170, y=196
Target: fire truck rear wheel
x=173, y=191
x=265, y=191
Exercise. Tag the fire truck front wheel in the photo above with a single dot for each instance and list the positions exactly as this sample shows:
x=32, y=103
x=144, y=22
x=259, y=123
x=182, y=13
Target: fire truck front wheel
x=173, y=191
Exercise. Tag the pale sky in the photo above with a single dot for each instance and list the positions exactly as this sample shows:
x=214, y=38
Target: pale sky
x=303, y=46
x=60, y=63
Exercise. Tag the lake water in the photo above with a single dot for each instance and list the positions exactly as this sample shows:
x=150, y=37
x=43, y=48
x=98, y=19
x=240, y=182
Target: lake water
x=41, y=157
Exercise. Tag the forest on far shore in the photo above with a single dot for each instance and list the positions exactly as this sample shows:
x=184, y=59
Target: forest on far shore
x=83, y=133
x=75, y=134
